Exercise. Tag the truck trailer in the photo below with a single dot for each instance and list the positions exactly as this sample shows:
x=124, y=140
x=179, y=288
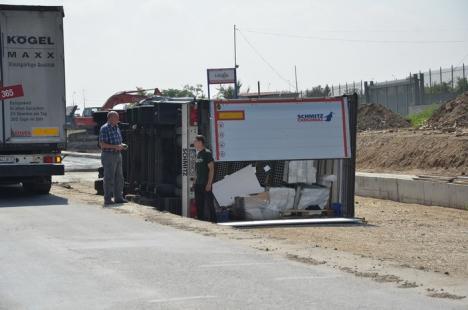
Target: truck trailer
x=32, y=112
x=294, y=148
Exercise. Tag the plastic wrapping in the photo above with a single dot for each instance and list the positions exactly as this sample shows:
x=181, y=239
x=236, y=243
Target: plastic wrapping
x=300, y=171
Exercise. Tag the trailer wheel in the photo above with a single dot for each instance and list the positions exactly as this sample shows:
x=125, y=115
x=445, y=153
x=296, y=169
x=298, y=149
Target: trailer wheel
x=39, y=186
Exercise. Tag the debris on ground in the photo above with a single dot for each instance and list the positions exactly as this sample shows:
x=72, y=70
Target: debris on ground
x=376, y=117
x=451, y=115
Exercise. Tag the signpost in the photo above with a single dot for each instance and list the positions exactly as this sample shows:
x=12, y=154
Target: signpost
x=222, y=76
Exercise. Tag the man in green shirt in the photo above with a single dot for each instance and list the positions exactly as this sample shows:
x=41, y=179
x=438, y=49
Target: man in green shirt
x=204, y=179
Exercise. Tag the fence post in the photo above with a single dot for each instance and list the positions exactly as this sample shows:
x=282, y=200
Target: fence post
x=430, y=81
x=366, y=92
x=422, y=95
x=417, y=94
x=453, y=88
x=464, y=78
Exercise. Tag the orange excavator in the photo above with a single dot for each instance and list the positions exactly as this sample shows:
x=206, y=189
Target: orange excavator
x=124, y=97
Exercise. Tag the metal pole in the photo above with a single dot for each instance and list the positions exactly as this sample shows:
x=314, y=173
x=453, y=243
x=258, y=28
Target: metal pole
x=295, y=75
x=208, y=83
x=258, y=89
x=464, y=77
x=440, y=75
x=235, y=48
x=430, y=80
x=235, y=63
x=452, y=78
x=235, y=83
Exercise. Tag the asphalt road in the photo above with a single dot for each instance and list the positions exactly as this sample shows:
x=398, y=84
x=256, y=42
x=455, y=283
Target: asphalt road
x=58, y=255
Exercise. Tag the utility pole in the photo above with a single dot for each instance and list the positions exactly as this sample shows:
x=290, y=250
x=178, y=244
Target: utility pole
x=235, y=63
x=295, y=76
x=84, y=99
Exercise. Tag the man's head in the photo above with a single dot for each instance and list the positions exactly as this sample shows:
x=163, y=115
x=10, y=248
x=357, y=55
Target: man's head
x=199, y=142
x=113, y=118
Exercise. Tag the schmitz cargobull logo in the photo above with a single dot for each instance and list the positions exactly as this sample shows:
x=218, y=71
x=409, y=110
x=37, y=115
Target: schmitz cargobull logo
x=315, y=117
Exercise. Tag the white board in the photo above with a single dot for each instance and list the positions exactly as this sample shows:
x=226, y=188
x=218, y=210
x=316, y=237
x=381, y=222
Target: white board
x=280, y=129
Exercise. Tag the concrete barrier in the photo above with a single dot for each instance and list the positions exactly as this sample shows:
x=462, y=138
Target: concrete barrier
x=404, y=188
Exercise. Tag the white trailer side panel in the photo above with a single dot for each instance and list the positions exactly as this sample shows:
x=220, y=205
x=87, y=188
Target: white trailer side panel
x=33, y=56
x=280, y=129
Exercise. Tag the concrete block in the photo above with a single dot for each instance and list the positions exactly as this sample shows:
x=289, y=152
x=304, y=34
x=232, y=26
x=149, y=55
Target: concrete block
x=458, y=196
x=405, y=189
x=411, y=191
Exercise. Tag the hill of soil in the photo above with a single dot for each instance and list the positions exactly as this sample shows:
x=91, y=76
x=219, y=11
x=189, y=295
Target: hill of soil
x=413, y=151
x=451, y=115
x=376, y=117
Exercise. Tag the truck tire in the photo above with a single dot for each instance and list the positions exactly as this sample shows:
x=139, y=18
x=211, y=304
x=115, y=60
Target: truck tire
x=39, y=186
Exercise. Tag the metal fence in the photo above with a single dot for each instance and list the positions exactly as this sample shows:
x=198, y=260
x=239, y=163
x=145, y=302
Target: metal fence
x=411, y=94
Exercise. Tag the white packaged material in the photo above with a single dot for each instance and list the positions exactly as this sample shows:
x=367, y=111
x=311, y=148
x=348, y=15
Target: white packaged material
x=300, y=171
x=270, y=206
x=314, y=197
x=239, y=184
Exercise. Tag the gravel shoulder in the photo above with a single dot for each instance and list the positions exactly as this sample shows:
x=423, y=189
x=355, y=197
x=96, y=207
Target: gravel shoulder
x=406, y=245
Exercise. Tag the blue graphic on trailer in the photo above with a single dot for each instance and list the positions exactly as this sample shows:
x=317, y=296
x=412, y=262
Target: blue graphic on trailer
x=315, y=117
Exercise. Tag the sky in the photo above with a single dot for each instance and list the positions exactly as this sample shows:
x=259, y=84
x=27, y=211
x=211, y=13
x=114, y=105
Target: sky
x=115, y=45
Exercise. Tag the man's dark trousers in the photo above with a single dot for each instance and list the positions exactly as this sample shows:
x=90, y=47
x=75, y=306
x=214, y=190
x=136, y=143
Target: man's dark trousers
x=113, y=175
x=204, y=199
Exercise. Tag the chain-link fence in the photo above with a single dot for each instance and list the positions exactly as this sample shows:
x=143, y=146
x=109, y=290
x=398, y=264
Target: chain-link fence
x=411, y=94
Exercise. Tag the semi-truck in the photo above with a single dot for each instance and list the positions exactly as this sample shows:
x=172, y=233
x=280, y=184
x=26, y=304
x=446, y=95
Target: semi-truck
x=32, y=93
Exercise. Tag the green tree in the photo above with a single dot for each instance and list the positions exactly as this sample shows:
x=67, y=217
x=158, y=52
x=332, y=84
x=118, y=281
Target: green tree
x=187, y=91
x=228, y=92
x=318, y=91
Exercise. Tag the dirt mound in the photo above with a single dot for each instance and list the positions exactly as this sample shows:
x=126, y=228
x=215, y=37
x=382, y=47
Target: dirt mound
x=375, y=116
x=452, y=114
x=408, y=151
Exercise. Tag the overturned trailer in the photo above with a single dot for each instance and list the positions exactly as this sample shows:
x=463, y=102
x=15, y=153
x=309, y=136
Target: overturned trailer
x=281, y=139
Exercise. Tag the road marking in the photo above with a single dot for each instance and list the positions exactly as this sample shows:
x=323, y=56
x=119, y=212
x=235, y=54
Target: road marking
x=305, y=278
x=180, y=299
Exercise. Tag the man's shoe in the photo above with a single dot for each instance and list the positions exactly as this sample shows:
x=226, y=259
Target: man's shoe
x=108, y=203
x=121, y=201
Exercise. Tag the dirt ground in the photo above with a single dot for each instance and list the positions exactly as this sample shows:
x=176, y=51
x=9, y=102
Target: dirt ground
x=413, y=152
x=411, y=235
x=376, y=117
x=409, y=245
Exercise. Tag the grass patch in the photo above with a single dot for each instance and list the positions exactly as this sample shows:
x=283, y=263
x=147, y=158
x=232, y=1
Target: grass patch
x=418, y=119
